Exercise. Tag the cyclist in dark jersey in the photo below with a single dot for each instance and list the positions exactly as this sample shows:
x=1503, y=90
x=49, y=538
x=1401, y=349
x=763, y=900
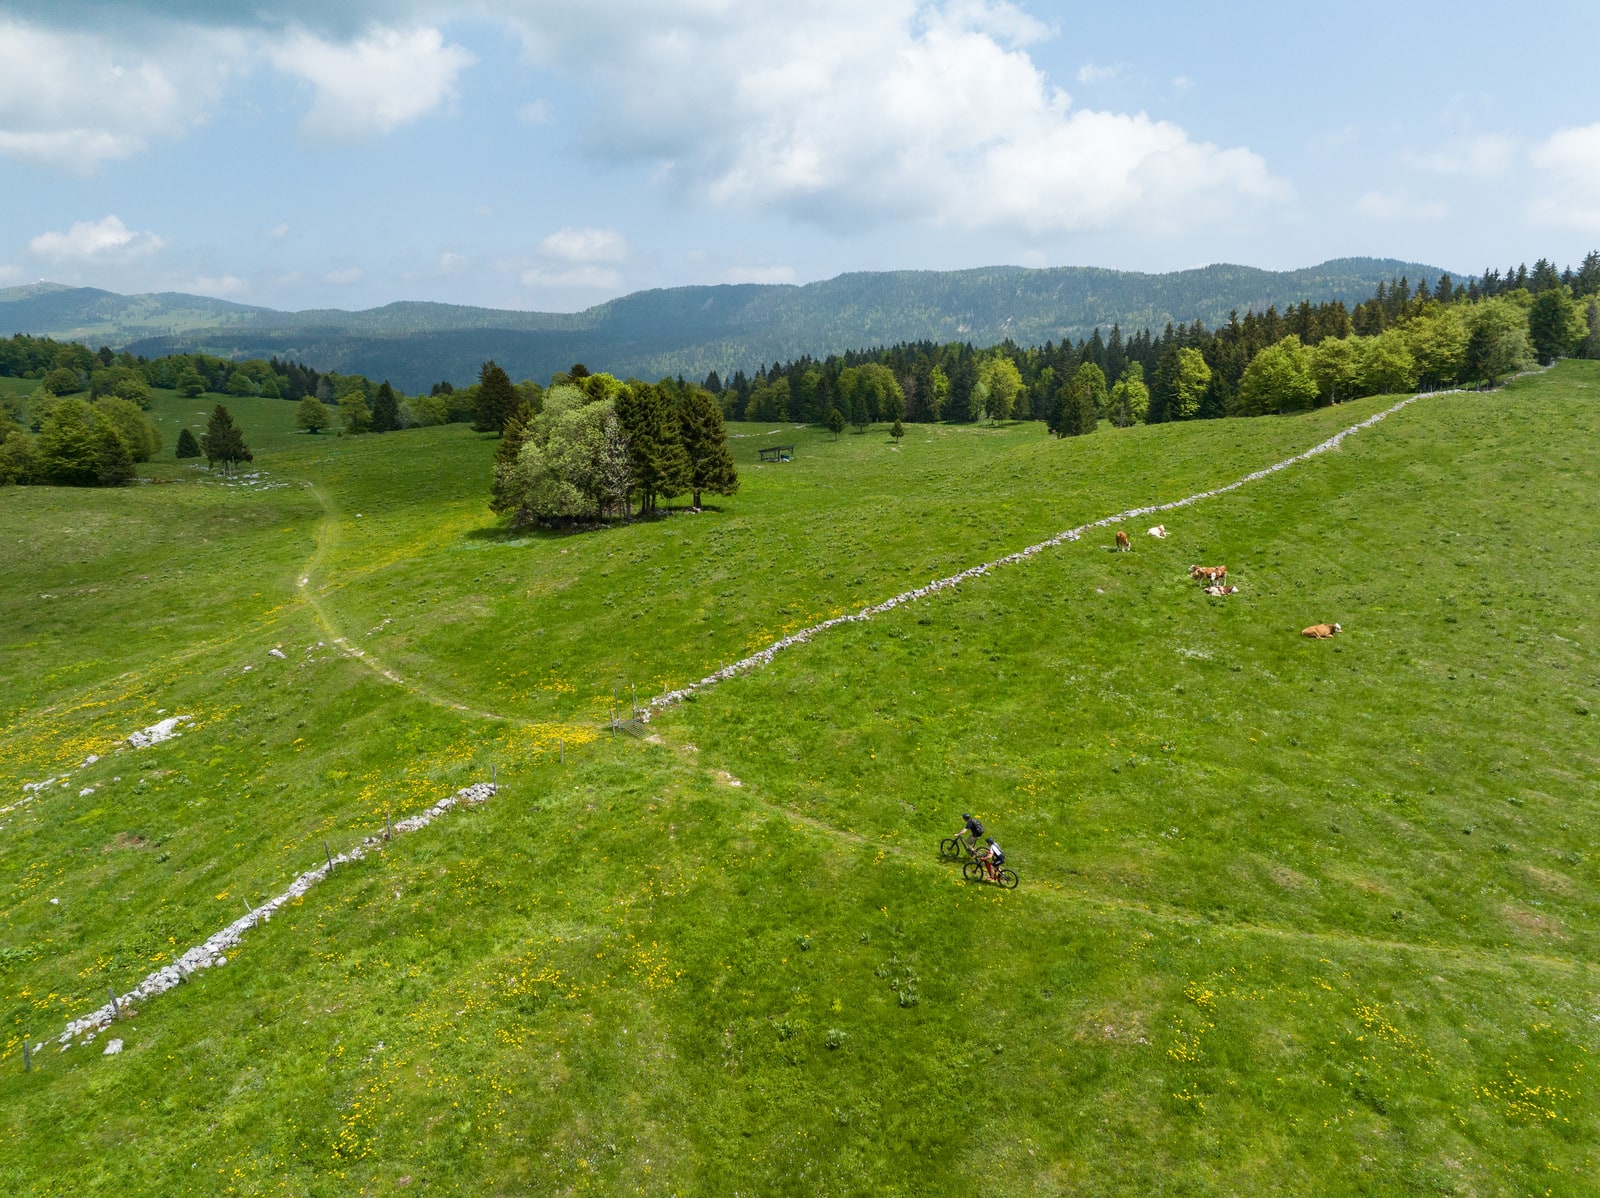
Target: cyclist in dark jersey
x=970, y=833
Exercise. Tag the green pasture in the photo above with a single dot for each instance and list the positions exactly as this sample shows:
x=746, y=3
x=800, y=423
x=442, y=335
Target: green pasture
x=1295, y=917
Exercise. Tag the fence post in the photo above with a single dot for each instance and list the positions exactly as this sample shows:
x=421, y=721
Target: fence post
x=388, y=828
x=562, y=744
x=27, y=1054
x=494, y=774
x=329, y=853
x=112, y=994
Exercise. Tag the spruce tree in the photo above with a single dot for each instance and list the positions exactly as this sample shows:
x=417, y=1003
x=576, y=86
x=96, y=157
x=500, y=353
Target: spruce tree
x=223, y=442
x=498, y=398
x=897, y=430
x=661, y=466
x=385, y=409
x=113, y=458
x=835, y=422
x=188, y=447
x=705, y=440
x=512, y=438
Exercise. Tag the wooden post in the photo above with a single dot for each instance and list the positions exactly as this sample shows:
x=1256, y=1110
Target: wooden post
x=27, y=1054
x=494, y=774
x=562, y=744
x=388, y=828
x=112, y=994
x=329, y=853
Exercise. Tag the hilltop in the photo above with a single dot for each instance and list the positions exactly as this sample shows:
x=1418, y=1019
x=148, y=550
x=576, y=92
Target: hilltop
x=691, y=330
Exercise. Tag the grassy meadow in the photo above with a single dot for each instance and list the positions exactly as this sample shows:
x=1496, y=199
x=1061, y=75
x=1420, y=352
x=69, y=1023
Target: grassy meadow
x=1295, y=916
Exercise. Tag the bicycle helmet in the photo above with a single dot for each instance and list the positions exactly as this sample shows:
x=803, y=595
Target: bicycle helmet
x=966, y=815
x=988, y=839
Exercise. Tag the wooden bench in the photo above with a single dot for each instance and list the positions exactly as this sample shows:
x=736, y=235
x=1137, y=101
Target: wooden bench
x=777, y=453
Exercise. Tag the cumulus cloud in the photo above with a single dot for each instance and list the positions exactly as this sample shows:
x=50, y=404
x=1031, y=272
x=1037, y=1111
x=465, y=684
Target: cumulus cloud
x=759, y=274
x=279, y=231
x=75, y=100
x=594, y=278
x=375, y=83
x=1399, y=206
x=1090, y=72
x=585, y=245
x=536, y=112
x=1480, y=156
x=345, y=276
x=103, y=240
x=844, y=115
x=1570, y=161
x=220, y=286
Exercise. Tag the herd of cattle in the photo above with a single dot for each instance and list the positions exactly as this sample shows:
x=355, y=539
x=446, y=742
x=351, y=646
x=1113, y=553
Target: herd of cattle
x=1215, y=581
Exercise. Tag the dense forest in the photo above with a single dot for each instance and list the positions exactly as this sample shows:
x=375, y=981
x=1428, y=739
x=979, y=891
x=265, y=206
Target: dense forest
x=1427, y=334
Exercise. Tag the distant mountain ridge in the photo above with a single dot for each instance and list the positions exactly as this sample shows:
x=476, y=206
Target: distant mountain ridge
x=691, y=330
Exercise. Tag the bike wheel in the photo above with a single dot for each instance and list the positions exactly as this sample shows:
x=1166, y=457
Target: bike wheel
x=1008, y=880
x=950, y=848
x=972, y=871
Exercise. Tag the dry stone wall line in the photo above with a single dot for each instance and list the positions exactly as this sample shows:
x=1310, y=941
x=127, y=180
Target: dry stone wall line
x=765, y=656
x=211, y=953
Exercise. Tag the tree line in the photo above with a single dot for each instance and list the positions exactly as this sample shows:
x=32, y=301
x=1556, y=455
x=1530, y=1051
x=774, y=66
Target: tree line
x=1431, y=334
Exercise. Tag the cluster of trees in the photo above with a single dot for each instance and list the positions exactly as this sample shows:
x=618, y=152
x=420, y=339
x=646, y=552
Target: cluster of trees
x=591, y=446
x=64, y=440
x=1434, y=334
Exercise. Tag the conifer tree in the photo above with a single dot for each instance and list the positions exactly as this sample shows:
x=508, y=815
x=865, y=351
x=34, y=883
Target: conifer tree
x=897, y=430
x=113, y=458
x=498, y=398
x=385, y=409
x=661, y=467
x=512, y=438
x=188, y=447
x=835, y=422
x=705, y=440
x=223, y=442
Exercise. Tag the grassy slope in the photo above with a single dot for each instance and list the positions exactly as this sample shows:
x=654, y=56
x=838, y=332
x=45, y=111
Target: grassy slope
x=1294, y=915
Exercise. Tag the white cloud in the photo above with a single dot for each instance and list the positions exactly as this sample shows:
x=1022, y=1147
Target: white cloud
x=598, y=278
x=537, y=112
x=1570, y=161
x=845, y=115
x=1182, y=82
x=1484, y=156
x=759, y=274
x=585, y=245
x=103, y=240
x=1399, y=206
x=374, y=84
x=279, y=231
x=1090, y=72
x=451, y=263
x=222, y=287
x=344, y=277
x=73, y=100
x=10, y=273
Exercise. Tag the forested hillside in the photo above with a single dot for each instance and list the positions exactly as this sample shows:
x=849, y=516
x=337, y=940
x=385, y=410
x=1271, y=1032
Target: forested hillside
x=690, y=330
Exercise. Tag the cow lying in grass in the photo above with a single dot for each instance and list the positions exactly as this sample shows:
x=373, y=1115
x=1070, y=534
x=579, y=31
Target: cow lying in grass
x=1211, y=574
x=1160, y=530
x=1220, y=591
x=1321, y=631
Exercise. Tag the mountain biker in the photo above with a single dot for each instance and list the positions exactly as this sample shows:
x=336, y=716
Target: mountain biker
x=969, y=834
x=992, y=860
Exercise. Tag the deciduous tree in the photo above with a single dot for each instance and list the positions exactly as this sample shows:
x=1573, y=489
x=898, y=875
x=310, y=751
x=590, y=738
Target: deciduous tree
x=310, y=414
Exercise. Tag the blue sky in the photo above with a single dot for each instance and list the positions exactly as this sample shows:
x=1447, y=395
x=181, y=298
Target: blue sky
x=532, y=154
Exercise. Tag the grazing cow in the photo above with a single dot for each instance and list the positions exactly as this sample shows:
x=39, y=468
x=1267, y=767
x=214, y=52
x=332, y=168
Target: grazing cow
x=1160, y=530
x=1321, y=632
x=1122, y=542
x=1214, y=574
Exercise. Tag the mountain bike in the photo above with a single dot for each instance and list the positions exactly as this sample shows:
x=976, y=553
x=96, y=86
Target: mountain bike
x=973, y=871
x=955, y=848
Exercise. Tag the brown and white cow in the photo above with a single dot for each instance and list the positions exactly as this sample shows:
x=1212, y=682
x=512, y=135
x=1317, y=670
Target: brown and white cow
x=1122, y=542
x=1321, y=632
x=1212, y=574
